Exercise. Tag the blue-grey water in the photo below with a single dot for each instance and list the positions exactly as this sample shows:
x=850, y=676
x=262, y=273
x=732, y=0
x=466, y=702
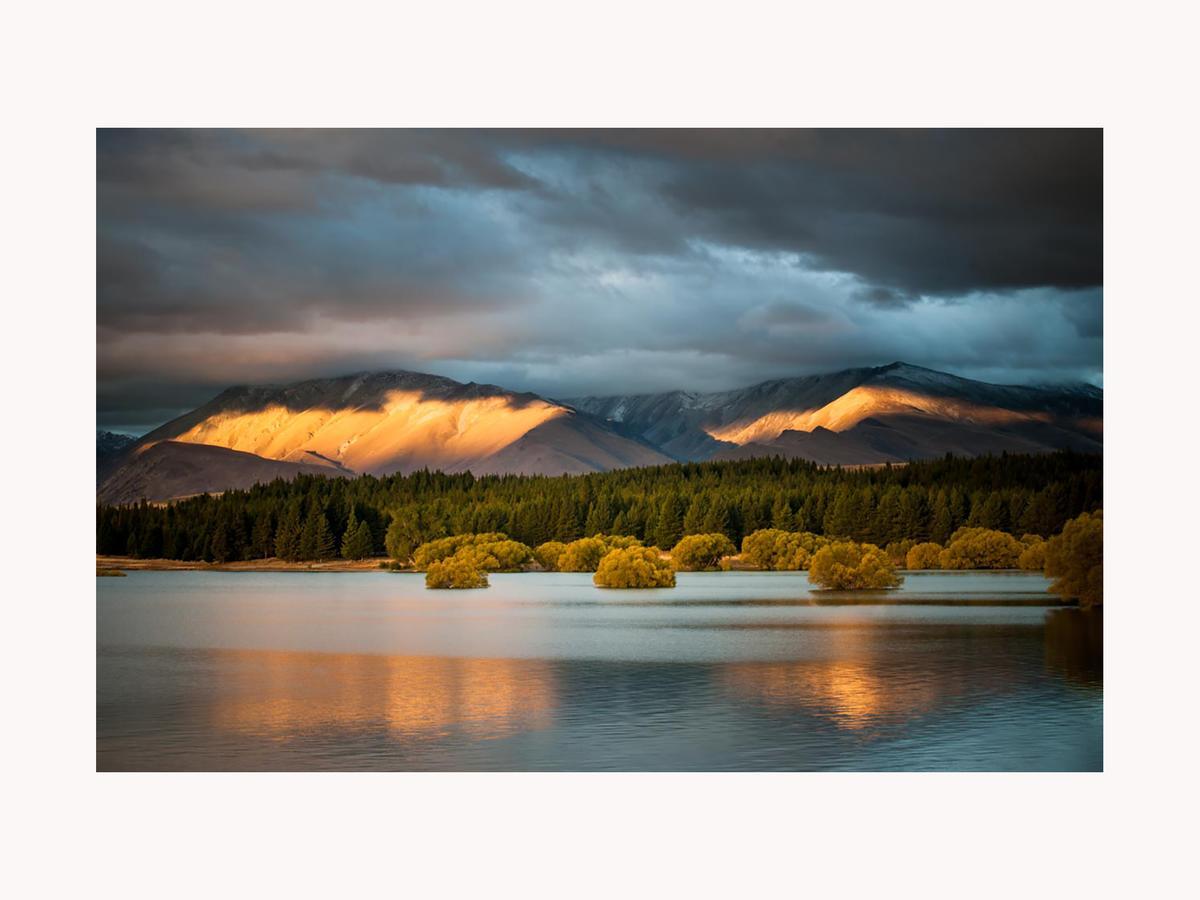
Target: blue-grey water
x=728, y=671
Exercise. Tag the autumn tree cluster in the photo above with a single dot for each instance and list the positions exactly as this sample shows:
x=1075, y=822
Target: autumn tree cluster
x=1075, y=559
x=583, y=555
x=850, y=566
x=464, y=560
x=781, y=551
x=701, y=552
x=460, y=571
x=634, y=567
x=979, y=548
x=618, y=561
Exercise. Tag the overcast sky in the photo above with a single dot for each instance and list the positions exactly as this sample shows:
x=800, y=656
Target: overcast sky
x=590, y=262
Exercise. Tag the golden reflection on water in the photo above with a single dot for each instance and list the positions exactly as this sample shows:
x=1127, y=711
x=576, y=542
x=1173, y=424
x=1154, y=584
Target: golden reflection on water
x=847, y=691
x=850, y=689
x=853, y=695
x=283, y=694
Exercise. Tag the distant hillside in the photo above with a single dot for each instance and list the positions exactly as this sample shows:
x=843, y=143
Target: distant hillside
x=110, y=447
x=109, y=443
x=171, y=470
x=874, y=415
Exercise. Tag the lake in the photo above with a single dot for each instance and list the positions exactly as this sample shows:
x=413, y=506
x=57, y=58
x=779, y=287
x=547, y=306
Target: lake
x=729, y=671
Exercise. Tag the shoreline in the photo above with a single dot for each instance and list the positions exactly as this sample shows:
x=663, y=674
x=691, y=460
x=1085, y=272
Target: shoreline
x=130, y=563
x=273, y=564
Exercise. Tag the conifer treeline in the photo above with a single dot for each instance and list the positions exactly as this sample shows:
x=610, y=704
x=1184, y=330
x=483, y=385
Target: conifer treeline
x=320, y=518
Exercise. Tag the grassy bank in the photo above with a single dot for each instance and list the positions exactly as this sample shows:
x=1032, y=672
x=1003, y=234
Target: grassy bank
x=129, y=563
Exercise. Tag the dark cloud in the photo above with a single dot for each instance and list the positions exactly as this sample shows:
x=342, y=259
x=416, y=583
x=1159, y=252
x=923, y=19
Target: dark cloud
x=909, y=211
x=918, y=212
x=588, y=261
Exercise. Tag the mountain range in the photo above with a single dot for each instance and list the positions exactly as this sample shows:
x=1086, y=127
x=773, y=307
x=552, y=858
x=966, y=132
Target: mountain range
x=862, y=416
x=385, y=422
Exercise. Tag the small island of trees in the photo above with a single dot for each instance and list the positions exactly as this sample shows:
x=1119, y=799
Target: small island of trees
x=634, y=567
x=848, y=566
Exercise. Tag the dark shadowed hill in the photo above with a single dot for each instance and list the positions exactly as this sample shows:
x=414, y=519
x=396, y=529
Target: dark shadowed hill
x=170, y=470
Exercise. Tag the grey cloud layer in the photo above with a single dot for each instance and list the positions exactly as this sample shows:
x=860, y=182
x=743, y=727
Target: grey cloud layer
x=568, y=262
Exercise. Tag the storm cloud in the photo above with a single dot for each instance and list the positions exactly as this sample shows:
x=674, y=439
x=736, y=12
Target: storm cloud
x=570, y=262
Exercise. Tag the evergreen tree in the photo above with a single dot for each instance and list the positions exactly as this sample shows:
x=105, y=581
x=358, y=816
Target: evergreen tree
x=599, y=517
x=914, y=520
x=943, y=519
x=1045, y=513
x=287, y=536
x=960, y=508
x=864, y=513
x=994, y=512
x=236, y=527
x=323, y=543
x=364, y=540
x=781, y=514
x=751, y=515
x=262, y=538
x=636, y=517
x=566, y=520
x=151, y=545
x=528, y=524
x=219, y=547
x=717, y=519
x=887, y=522
x=811, y=516
x=1016, y=508
x=348, y=547
x=108, y=538
x=668, y=527
x=358, y=542
x=841, y=517
x=199, y=547
x=174, y=543
x=307, y=548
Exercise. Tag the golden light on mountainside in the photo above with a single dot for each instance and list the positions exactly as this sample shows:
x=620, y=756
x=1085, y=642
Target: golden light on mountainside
x=864, y=402
x=406, y=430
x=282, y=695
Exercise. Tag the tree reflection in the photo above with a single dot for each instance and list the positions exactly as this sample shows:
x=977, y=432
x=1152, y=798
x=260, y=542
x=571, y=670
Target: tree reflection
x=1075, y=644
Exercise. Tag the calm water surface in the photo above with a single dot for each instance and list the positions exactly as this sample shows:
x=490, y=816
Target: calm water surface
x=728, y=671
